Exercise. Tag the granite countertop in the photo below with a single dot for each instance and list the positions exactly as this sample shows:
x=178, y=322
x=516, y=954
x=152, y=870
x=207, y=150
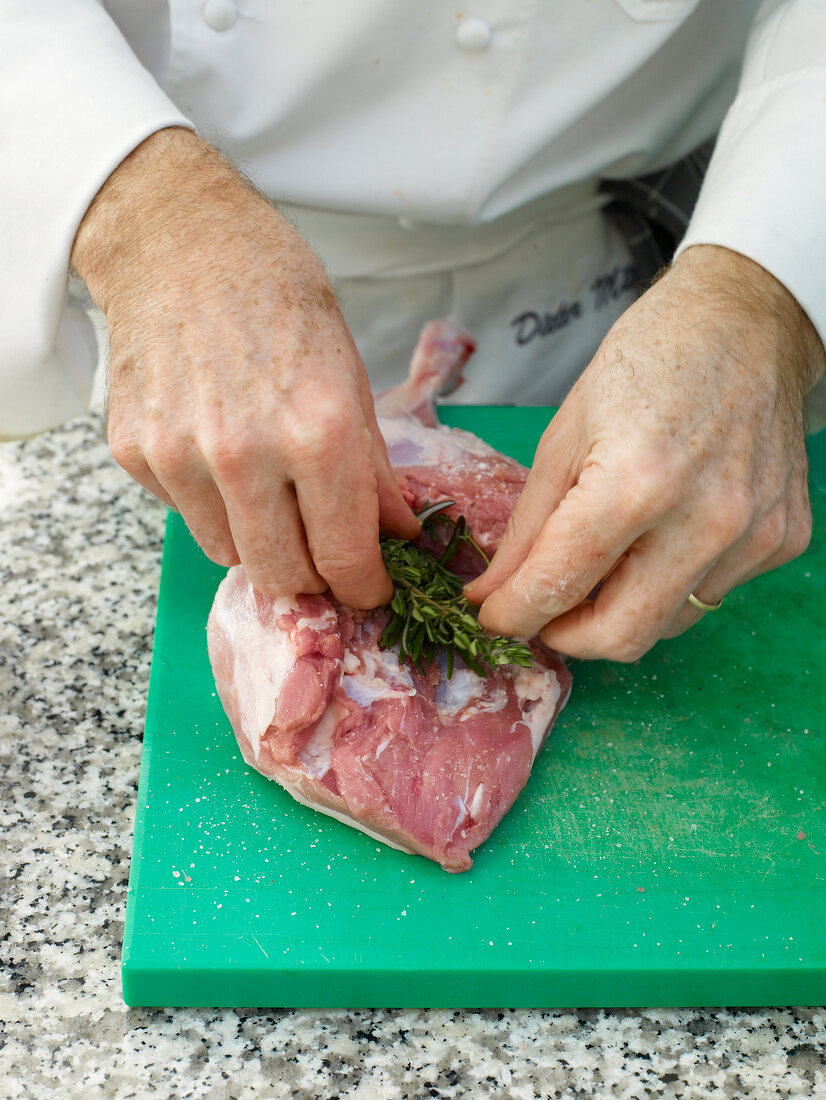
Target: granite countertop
x=79, y=558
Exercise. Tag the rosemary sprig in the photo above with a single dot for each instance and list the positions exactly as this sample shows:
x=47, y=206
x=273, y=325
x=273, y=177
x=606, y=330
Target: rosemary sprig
x=429, y=609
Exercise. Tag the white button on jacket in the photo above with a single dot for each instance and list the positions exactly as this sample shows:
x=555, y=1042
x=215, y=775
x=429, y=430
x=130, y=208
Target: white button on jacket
x=362, y=113
x=473, y=35
x=220, y=14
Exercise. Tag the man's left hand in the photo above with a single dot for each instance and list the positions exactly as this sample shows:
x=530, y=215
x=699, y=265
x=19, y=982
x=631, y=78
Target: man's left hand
x=676, y=465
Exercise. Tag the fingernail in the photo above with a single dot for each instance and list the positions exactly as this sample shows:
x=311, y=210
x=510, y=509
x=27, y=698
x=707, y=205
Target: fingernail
x=471, y=586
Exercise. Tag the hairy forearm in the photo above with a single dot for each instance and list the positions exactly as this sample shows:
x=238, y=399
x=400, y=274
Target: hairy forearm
x=727, y=280
x=132, y=208
x=160, y=213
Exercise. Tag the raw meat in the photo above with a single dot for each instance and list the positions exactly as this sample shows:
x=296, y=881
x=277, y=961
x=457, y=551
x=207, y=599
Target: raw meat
x=424, y=763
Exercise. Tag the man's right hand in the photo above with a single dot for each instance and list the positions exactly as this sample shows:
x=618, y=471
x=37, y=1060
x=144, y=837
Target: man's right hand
x=236, y=393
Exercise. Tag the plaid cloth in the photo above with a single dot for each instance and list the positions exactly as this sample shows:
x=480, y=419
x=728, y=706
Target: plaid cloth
x=652, y=212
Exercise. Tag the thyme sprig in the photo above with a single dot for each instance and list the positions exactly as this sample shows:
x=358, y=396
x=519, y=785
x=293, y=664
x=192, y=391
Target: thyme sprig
x=429, y=609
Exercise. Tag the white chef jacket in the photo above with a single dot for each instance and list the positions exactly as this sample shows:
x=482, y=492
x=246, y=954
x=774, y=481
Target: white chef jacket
x=423, y=149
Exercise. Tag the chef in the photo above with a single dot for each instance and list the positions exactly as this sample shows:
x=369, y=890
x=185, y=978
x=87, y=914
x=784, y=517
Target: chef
x=430, y=159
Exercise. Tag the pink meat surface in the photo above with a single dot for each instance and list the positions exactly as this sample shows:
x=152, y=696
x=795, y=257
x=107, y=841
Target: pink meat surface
x=424, y=763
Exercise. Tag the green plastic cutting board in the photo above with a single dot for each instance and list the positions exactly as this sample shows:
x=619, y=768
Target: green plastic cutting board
x=669, y=848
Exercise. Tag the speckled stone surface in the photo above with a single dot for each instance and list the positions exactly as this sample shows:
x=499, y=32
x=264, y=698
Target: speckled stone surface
x=79, y=560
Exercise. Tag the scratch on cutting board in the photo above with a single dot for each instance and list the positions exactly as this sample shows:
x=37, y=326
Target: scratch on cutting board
x=266, y=956
x=769, y=870
x=760, y=811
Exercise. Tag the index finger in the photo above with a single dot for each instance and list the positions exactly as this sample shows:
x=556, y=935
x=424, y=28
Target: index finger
x=554, y=472
x=579, y=544
x=339, y=502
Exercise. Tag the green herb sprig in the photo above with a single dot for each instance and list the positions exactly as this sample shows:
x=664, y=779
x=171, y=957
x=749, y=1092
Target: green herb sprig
x=429, y=609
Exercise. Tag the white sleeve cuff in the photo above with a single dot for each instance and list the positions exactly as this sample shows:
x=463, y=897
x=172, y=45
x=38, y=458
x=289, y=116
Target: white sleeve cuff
x=763, y=195
x=77, y=102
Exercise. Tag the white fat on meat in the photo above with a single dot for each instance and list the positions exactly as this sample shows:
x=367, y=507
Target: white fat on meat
x=466, y=695
x=538, y=690
x=317, y=754
x=410, y=443
x=478, y=800
x=261, y=657
x=369, y=674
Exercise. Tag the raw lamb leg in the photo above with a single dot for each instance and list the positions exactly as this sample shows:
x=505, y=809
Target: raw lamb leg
x=424, y=763
x=433, y=462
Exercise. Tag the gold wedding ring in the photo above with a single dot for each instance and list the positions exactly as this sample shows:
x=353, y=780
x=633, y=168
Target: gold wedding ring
x=704, y=606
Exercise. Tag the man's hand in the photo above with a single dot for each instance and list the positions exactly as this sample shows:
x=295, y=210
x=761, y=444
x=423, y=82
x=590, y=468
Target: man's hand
x=236, y=394
x=675, y=465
